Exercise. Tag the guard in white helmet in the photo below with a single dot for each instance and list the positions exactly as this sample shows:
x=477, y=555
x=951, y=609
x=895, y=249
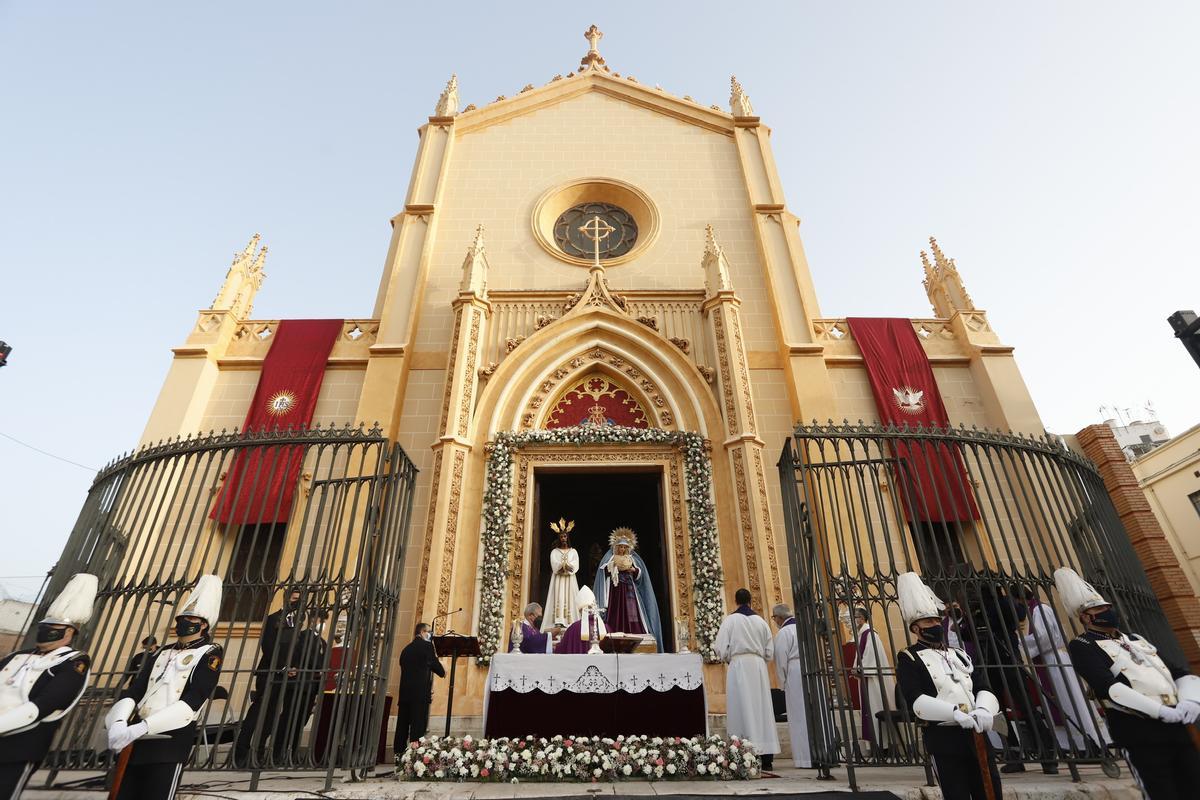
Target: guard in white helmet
x=1149, y=703
x=157, y=714
x=40, y=685
x=948, y=695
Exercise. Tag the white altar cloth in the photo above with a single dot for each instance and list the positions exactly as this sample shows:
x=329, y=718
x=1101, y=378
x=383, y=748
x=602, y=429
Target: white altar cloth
x=603, y=673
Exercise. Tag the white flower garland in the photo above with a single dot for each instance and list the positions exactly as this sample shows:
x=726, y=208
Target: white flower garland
x=578, y=758
x=702, y=526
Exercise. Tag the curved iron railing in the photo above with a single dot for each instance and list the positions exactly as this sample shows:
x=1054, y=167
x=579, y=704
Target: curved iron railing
x=985, y=518
x=309, y=695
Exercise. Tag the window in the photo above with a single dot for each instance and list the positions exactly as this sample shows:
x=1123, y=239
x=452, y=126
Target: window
x=253, y=571
x=574, y=242
x=939, y=547
x=1195, y=498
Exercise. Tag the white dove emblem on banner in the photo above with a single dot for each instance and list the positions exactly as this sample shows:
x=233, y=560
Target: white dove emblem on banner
x=909, y=400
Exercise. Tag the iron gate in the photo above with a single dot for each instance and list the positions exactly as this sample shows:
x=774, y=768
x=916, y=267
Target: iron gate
x=314, y=687
x=866, y=503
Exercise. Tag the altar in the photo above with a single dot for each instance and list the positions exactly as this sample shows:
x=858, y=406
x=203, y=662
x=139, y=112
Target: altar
x=610, y=694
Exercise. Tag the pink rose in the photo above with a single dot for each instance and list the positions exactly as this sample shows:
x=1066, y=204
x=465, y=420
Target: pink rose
x=483, y=773
x=426, y=759
x=658, y=762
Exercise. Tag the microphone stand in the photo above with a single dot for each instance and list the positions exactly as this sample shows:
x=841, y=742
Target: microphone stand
x=453, y=670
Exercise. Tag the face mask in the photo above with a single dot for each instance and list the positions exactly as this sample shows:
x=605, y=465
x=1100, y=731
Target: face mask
x=1106, y=618
x=957, y=613
x=932, y=635
x=426, y=636
x=47, y=633
x=187, y=627
x=537, y=622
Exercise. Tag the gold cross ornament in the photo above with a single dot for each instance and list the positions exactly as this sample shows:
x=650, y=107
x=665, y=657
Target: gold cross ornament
x=596, y=229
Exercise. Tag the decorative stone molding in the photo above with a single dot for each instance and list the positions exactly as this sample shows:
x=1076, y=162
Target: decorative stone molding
x=649, y=322
x=682, y=344
x=447, y=104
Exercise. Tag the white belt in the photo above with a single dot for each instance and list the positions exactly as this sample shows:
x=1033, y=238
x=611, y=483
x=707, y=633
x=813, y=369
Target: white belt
x=746, y=655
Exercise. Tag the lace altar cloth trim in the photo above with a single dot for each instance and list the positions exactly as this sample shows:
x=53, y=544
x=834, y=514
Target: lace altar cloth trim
x=598, y=674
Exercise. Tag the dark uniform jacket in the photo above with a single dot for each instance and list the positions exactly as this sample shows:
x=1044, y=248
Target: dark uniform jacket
x=914, y=680
x=174, y=746
x=1128, y=728
x=54, y=690
x=418, y=665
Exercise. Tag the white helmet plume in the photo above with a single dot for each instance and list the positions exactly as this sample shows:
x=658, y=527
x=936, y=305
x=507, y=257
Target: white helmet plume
x=204, y=601
x=1076, y=593
x=74, y=603
x=917, y=601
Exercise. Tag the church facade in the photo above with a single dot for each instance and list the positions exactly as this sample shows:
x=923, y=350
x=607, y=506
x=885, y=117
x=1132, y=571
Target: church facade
x=510, y=341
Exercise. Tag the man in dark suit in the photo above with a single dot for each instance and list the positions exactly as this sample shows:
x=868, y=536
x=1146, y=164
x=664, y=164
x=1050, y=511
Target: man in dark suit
x=276, y=645
x=418, y=665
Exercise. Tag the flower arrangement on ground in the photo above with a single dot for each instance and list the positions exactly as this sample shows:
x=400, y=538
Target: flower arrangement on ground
x=578, y=758
x=702, y=526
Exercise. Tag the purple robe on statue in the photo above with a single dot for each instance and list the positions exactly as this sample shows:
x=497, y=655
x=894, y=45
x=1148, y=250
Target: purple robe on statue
x=571, y=643
x=622, y=612
x=533, y=641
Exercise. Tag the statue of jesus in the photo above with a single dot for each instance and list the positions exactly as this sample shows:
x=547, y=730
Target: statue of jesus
x=623, y=589
x=564, y=564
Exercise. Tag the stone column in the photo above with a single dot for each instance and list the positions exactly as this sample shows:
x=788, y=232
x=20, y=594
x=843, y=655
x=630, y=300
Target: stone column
x=742, y=445
x=1170, y=585
x=453, y=448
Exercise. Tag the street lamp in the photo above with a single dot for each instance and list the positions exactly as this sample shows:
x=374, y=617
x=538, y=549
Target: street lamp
x=1186, y=326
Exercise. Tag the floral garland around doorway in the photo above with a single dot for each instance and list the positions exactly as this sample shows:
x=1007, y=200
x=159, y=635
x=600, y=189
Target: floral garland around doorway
x=702, y=525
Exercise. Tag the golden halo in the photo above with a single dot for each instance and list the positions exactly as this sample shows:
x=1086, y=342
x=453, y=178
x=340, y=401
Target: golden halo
x=281, y=403
x=623, y=533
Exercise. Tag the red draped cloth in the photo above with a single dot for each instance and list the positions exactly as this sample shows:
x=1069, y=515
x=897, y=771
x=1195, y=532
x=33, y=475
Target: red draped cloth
x=261, y=484
x=933, y=481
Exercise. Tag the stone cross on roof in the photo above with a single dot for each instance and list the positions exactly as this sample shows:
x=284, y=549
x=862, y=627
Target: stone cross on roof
x=593, y=59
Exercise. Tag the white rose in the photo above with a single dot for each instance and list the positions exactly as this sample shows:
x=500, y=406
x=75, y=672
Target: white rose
x=439, y=774
x=626, y=769
x=671, y=769
x=597, y=772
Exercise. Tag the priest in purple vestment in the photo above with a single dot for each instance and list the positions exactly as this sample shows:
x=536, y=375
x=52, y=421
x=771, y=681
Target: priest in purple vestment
x=530, y=638
x=578, y=639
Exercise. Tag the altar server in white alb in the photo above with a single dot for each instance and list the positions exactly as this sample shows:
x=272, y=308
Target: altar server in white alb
x=1150, y=704
x=744, y=643
x=40, y=685
x=1047, y=650
x=157, y=714
x=791, y=677
x=947, y=694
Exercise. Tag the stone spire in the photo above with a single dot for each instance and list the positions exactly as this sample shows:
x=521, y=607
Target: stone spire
x=716, y=266
x=739, y=101
x=943, y=284
x=447, y=104
x=242, y=281
x=475, y=268
x=593, y=59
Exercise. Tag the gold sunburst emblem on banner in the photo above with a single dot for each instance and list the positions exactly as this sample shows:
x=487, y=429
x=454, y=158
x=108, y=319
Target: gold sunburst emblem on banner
x=281, y=403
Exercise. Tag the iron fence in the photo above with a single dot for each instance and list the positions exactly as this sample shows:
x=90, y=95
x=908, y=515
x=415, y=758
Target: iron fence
x=985, y=518
x=307, y=530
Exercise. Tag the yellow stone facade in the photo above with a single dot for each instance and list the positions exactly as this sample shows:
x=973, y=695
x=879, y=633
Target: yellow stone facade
x=712, y=322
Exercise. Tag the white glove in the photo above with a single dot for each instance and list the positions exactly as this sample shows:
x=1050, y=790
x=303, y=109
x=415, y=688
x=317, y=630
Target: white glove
x=122, y=735
x=965, y=721
x=1189, y=710
x=983, y=718
x=116, y=733
x=1170, y=715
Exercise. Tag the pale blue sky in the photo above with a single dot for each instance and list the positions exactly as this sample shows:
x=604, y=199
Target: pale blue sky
x=1051, y=147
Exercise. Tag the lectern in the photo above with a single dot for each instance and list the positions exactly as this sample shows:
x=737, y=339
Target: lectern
x=454, y=645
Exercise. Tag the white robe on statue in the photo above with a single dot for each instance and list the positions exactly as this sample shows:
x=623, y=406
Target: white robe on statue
x=744, y=642
x=1045, y=644
x=560, y=608
x=880, y=686
x=791, y=677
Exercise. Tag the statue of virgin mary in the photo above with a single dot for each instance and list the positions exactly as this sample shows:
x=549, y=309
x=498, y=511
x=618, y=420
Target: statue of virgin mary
x=623, y=589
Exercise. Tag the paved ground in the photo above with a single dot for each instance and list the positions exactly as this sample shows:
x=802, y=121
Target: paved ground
x=904, y=782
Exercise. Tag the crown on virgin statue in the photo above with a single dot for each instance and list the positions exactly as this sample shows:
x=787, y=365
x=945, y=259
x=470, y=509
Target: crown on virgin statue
x=624, y=536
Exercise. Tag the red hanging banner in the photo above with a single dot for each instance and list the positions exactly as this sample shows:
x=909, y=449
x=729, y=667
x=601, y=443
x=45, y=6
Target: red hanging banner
x=260, y=486
x=932, y=479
